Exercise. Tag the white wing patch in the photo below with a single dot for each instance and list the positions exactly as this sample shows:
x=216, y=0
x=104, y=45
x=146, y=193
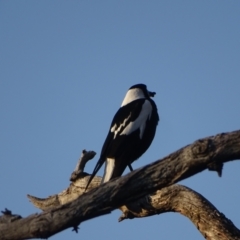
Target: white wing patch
x=109, y=167
x=122, y=125
x=140, y=122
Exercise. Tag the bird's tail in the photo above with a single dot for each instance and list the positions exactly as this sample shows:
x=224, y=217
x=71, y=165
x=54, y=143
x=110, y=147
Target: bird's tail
x=109, y=170
x=96, y=169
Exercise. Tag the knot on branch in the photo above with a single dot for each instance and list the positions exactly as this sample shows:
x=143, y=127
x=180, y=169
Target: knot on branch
x=40, y=228
x=202, y=147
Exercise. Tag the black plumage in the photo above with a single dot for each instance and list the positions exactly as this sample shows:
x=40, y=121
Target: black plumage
x=131, y=133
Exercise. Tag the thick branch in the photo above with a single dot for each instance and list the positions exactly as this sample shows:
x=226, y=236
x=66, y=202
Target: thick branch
x=192, y=159
x=212, y=224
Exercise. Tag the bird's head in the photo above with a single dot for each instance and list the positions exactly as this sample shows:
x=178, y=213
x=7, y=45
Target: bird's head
x=137, y=91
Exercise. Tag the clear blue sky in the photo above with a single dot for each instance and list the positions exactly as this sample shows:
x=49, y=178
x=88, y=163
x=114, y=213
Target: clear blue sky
x=65, y=68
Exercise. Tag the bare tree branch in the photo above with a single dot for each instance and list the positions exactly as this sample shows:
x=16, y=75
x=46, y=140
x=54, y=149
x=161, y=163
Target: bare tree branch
x=209, y=152
x=79, y=180
x=212, y=224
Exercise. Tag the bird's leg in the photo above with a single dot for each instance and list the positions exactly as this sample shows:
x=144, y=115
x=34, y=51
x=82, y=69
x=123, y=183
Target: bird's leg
x=130, y=167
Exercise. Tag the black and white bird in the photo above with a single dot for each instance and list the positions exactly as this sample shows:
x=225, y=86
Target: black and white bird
x=131, y=133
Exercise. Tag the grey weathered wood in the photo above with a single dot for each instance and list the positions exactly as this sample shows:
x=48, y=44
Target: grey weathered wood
x=79, y=169
x=79, y=180
x=212, y=224
x=209, y=152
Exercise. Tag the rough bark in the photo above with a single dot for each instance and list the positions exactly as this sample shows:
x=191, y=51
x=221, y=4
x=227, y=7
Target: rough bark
x=208, y=153
x=177, y=198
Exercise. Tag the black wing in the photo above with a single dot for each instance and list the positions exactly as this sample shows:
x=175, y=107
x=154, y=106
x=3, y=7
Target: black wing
x=122, y=118
x=114, y=144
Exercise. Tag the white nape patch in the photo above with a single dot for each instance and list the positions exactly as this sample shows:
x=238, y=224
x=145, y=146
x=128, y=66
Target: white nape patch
x=140, y=122
x=122, y=125
x=109, y=167
x=132, y=94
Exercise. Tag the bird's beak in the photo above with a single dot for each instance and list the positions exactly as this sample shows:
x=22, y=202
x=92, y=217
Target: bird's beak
x=151, y=94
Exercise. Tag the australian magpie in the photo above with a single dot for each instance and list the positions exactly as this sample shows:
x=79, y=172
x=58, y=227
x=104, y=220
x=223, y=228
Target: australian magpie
x=131, y=133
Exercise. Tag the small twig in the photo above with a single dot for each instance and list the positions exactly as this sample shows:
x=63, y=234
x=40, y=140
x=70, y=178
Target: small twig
x=79, y=180
x=79, y=169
